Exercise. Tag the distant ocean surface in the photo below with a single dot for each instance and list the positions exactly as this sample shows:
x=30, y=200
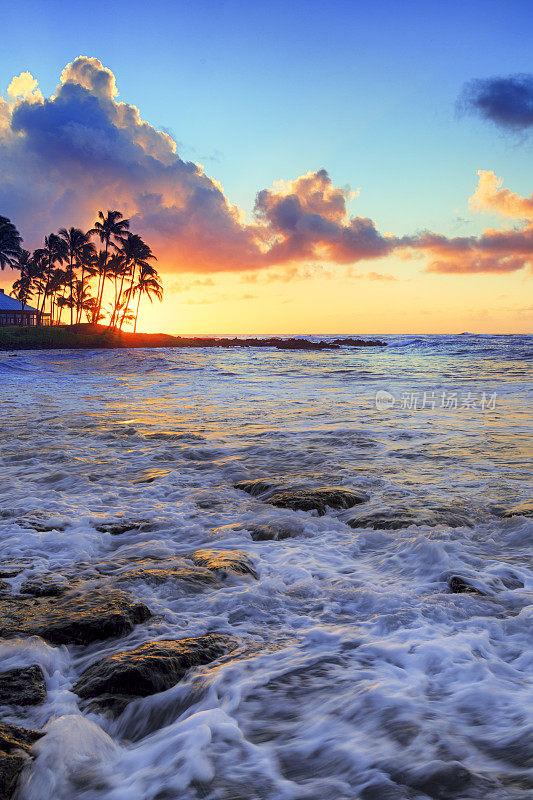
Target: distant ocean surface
x=359, y=673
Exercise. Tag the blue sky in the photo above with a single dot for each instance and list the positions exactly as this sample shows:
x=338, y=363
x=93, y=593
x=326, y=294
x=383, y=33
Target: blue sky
x=258, y=92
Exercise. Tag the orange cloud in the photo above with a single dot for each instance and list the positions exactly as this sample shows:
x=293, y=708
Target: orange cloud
x=82, y=149
x=502, y=251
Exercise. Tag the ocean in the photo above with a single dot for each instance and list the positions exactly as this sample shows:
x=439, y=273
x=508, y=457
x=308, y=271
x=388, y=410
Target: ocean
x=380, y=651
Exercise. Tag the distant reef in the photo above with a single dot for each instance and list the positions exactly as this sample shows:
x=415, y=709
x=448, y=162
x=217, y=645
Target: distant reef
x=94, y=337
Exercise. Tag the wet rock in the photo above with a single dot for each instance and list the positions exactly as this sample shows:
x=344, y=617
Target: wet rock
x=438, y=779
x=349, y=342
x=255, y=488
x=3, y=586
x=523, y=509
x=400, y=517
x=193, y=577
x=73, y=618
x=42, y=522
x=47, y=585
x=154, y=667
x=262, y=533
x=15, y=744
x=23, y=687
x=299, y=499
x=224, y=561
x=9, y=572
x=120, y=526
x=460, y=585
x=318, y=500
x=382, y=790
x=516, y=749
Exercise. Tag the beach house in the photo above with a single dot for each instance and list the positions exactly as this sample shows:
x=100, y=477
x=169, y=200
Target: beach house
x=12, y=313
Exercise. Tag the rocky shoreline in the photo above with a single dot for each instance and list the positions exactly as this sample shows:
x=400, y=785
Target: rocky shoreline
x=86, y=604
x=94, y=337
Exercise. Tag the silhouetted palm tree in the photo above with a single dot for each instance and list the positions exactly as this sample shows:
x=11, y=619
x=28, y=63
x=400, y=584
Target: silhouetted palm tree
x=137, y=254
x=89, y=268
x=10, y=241
x=109, y=228
x=22, y=288
x=53, y=252
x=75, y=241
x=148, y=283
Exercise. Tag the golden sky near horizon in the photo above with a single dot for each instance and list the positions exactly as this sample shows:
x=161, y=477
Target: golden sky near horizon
x=385, y=298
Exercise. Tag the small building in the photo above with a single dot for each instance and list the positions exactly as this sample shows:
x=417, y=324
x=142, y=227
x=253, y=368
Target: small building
x=12, y=313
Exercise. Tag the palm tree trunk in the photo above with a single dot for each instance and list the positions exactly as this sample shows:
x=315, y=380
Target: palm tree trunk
x=71, y=299
x=137, y=311
x=129, y=294
x=119, y=300
x=78, y=301
x=103, y=281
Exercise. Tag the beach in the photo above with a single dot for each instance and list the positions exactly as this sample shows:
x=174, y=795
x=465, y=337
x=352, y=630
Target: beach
x=323, y=556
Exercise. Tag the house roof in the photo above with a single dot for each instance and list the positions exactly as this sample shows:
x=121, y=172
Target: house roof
x=8, y=303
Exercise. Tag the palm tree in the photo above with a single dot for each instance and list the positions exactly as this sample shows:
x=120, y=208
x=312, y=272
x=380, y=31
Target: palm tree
x=57, y=291
x=148, y=283
x=54, y=251
x=89, y=268
x=10, y=241
x=137, y=254
x=109, y=228
x=117, y=267
x=75, y=240
x=22, y=288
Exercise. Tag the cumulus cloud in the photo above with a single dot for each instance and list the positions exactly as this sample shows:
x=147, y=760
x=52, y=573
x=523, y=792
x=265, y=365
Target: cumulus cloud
x=82, y=149
x=65, y=157
x=496, y=250
x=505, y=101
x=307, y=219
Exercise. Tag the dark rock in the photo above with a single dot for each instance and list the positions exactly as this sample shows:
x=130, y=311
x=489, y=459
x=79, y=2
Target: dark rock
x=460, y=585
x=400, y=517
x=41, y=521
x=120, y=526
x=299, y=499
x=9, y=572
x=263, y=533
x=318, y=500
x=438, y=779
x=381, y=790
x=194, y=577
x=359, y=342
x=255, y=488
x=46, y=586
x=23, y=687
x=73, y=618
x=15, y=744
x=154, y=667
x=3, y=586
x=523, y=509
x=224, y=561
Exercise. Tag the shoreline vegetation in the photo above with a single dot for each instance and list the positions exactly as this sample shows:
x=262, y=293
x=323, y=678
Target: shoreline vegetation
x=70, y=274
x=96, y=337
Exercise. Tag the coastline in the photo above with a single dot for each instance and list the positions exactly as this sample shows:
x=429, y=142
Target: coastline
x=96, y=337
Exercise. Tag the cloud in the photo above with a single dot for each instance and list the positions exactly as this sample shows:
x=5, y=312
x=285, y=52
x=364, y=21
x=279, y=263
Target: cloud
x=507, y=102
x=489, y=196
x=496, y=251
x=307, y=219
x=82, y=149
x=370, y=276
x=65, y=157
x=25, y=86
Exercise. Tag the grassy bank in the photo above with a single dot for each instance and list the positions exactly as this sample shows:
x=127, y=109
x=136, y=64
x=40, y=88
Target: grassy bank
x=95, y=337
x=78, y=337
